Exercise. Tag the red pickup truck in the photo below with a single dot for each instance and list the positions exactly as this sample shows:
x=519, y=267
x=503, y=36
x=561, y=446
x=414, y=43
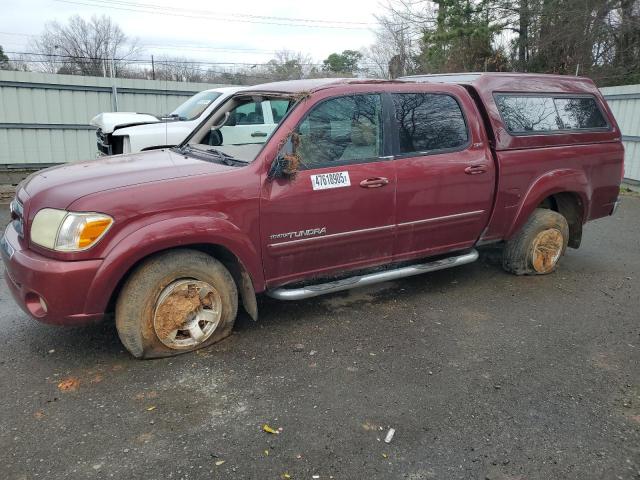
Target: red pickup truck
x=362, y=181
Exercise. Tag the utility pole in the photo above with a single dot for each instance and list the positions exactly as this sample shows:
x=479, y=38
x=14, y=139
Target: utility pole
x=153, y=69
x=114, y=89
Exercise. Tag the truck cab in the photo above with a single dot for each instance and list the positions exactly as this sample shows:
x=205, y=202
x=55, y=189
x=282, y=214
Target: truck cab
x=359, y=182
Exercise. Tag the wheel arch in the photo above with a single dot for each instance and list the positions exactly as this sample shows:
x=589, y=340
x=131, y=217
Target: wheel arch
x=571, y=207
x=231, y=262
x=564, y=191
x=216, y=237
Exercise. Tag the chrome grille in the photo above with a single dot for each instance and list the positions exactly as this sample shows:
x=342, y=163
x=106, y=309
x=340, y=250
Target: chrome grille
x=103, y=142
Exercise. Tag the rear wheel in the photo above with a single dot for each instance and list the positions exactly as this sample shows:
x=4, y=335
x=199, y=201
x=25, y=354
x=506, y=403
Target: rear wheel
x=538, y=246
x=174, y=303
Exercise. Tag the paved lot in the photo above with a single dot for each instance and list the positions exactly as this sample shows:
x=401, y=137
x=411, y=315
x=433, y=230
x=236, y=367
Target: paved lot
x=482, y=374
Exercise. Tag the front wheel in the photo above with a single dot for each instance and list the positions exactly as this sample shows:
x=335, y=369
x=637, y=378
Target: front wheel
x=176, y=302
x=538, y=246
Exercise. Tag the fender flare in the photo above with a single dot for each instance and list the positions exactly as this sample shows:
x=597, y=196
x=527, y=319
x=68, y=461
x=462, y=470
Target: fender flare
x=174, y=233
x=555, y=181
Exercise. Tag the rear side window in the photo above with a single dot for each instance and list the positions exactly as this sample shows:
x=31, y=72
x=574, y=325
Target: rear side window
x=539, y=114
x=576, y=113
x=428, y=122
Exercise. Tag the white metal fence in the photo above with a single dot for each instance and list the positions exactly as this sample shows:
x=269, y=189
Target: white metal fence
x=44, y=118
x=625, y=104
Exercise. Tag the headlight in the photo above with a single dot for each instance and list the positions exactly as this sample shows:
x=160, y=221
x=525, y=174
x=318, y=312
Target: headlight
x=68, y=231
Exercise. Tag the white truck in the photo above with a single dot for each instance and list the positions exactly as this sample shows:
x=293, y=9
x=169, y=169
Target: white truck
x=129, y=132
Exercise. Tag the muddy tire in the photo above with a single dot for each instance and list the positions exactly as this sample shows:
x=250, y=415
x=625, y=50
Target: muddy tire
x=176, y=302
x=538, y=246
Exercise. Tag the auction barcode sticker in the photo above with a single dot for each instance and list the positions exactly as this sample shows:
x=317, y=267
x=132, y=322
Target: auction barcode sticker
x=323, y=181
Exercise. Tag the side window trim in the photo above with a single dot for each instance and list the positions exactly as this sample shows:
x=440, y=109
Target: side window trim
x=386, y=153
x=267, y=115
x=396, y=128
x=553, y=97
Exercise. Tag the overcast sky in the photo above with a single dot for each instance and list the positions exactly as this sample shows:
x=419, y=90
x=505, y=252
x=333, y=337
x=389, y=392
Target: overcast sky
x=203, y=30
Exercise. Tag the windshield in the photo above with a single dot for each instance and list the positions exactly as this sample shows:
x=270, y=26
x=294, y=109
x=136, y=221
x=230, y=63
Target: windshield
x=239, y=128
x=194, y=107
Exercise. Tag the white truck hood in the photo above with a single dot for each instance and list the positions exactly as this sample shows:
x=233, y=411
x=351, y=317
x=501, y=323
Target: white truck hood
x=108, y=121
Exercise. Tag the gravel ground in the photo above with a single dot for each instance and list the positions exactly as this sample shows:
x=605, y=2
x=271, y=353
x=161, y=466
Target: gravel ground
x=482, y=375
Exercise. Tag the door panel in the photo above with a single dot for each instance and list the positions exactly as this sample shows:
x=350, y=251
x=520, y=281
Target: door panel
x=440, y=207
x=309, y=231
x=338, y=213
x=445, y=177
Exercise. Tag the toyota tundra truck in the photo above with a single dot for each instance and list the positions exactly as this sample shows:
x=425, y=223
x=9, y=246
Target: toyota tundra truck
x=360, y=182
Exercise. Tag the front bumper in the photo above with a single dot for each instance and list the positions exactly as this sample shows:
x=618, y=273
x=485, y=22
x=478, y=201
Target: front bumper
x=51, y=291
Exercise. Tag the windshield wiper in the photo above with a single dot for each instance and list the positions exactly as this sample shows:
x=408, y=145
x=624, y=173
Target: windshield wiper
x=183, y=149
x=224, y=157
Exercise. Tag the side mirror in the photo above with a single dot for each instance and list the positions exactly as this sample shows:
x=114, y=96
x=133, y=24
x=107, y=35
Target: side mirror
x=287, y=163
x=215, y=138
x=284, y=166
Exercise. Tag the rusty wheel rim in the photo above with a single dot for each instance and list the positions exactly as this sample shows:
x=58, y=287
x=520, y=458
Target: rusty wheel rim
x=547, y=248
x=187, y=313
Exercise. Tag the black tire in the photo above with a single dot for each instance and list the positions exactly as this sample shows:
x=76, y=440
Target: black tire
x=136, y=304
x=522, y=253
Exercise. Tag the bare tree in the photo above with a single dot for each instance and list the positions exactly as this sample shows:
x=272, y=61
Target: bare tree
x=397, y=40
x=288, y=65
x=179, y=69
x=93, y=47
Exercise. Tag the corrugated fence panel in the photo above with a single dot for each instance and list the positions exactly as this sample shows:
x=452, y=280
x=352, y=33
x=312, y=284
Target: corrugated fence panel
x=44, y=118
x=624, y=102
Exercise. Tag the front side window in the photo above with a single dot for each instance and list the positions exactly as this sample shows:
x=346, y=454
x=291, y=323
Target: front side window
x=538, y=114
x=236, y=131
x=341, y=130
x=429, y=122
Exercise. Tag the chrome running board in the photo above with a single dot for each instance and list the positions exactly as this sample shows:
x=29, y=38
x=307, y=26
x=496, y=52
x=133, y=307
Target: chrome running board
x=371, y=278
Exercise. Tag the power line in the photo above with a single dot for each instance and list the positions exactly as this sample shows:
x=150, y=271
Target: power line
x=61, y=58
x=211, y=16
x=234, y=14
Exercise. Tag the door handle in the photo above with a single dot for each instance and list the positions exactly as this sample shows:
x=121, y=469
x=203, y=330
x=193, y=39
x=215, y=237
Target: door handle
x=259, y=134
x=374, y=182
x=475, y=169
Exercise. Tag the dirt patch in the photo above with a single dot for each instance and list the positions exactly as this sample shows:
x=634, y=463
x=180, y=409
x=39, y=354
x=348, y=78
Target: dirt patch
x=70, y=384
x=357, y=295
x=177, y=309
x=548, y=244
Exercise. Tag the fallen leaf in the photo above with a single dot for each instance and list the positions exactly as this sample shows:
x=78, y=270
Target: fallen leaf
x=268, y=429
x=384, y=455
x=70, y=384
x=220, y=462
x=151, y=408
x=285, y=475
x=266, y=452
x=144, y=437
x=39, y=414
x=97, y=378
